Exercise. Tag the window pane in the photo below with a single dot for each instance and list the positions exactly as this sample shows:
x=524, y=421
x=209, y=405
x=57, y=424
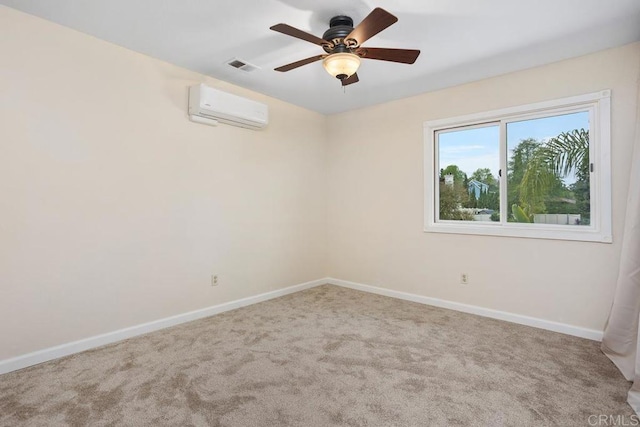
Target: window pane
x=548, y=170
x=469, y=160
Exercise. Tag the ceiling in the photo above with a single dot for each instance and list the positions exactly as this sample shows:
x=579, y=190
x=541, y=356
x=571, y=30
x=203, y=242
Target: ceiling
x=460, y=40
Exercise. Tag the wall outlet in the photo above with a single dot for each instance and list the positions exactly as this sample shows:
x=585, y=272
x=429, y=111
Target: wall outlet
x=214, y=280
x=464, y=279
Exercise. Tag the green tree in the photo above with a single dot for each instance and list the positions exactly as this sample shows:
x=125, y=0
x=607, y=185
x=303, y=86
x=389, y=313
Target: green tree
x=471, y=201
x=520, y=214
x=454, y=197
x=582, y=195
x=567, y=153
x=523, y=155
x=532, y=181
x=489, y=200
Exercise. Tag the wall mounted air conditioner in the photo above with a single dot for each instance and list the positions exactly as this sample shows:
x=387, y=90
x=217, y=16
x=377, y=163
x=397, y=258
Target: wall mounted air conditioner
x=210, y=106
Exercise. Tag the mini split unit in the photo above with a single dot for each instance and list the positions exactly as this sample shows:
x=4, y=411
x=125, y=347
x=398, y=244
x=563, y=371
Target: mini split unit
x=212, y=106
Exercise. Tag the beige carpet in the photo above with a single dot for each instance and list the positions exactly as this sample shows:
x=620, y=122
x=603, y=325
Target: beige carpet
x=327, y=356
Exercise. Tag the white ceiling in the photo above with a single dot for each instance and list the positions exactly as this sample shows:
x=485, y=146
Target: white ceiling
x=460, y=40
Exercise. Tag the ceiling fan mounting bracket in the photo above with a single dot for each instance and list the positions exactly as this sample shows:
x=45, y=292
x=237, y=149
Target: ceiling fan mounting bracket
x=339, y=27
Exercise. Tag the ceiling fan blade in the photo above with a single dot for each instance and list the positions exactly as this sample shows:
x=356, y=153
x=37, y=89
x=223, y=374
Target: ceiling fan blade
x=376, y=21
x=299, y=34
x=300, y=63
x=350, y=80
x=406, y=56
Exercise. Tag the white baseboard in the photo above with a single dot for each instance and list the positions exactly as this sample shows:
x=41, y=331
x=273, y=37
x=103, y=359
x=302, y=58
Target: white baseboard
x=67, y=349
x=549, y=325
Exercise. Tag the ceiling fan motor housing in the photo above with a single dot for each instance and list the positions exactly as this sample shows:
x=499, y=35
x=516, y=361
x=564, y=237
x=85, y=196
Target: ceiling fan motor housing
x=339, y=28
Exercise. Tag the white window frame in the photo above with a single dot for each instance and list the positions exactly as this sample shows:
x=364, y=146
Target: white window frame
x=599, y=106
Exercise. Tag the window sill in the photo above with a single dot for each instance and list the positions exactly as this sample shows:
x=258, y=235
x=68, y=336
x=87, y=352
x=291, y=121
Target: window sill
x=586, y=234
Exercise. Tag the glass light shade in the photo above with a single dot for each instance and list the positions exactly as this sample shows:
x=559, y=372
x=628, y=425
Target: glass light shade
x=345, y=64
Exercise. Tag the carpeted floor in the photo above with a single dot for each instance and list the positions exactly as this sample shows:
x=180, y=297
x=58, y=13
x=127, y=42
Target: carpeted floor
x=327, y=356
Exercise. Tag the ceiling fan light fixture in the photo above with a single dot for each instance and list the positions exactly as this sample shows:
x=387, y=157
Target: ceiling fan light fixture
x=341, y=65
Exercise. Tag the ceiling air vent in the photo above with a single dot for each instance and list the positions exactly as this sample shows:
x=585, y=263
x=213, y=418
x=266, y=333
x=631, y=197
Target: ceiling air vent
x=242, y=65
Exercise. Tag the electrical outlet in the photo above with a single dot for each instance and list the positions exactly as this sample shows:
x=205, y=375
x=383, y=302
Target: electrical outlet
x=464, y=279
x=214, y=280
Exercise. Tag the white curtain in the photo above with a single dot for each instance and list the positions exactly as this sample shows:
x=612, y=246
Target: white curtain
x=621, y=342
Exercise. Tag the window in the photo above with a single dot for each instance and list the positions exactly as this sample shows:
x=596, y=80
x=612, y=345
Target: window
x=540, y=170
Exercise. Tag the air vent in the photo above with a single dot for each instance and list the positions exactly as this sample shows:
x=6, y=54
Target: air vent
x=237, y=64
x=242, y=65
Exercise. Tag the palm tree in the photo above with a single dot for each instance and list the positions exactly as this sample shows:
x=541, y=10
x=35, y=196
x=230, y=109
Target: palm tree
x=569, y=152
x=558, y=157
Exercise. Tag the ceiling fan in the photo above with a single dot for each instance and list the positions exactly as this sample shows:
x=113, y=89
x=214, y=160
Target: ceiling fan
x=343, y=48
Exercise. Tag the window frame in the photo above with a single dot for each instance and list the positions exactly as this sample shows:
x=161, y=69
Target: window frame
x=600, y=229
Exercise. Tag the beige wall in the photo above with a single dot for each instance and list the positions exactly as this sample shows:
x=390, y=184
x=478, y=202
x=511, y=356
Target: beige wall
x=375, y=188
x=115, y=209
